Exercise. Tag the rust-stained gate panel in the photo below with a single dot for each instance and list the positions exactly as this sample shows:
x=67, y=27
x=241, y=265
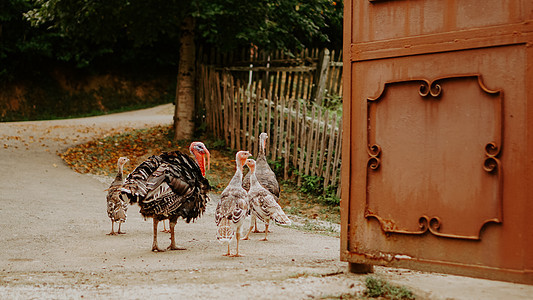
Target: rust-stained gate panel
x=438, y=136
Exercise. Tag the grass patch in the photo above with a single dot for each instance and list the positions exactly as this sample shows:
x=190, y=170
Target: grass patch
x=380, y=288
x=316, y=227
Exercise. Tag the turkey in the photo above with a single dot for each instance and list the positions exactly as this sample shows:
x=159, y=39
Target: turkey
x=265, y=175
x=263, y=172
x=169, y=186
x=263, y=204
x=117, y=206
x=233, y=207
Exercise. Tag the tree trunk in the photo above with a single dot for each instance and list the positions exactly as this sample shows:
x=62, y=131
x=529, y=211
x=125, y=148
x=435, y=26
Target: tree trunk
x=185, y=98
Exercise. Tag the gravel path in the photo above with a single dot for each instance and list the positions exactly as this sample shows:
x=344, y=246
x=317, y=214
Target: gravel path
x=53, y=242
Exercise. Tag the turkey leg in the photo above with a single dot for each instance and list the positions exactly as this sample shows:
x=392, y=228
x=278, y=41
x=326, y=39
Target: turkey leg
x=238, y=236
x=165, y=228
x=120, y=232
x=252, y=221
x=173, y=246
x=266, y=230
x=112, y=228
x=255, y=228
x=227, y=254
x=155, y=248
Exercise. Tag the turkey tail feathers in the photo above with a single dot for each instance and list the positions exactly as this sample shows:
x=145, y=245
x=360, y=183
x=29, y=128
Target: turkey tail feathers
x=225, y=232
x=169, y=184
x=280, y=217
x=127, y=194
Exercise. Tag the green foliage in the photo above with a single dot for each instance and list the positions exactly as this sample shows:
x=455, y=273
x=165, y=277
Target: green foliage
x=333, y=102
x=140, y=33
x=294, y=210
x=112, y=31
x=333, y=15
x=277, y=166
x=270, y=25
x=312, y=184
x=329, y=197
x=218, y=144
x=37, y=36
x=378, y=287
x=96, y=35
x=375, y=287
x=24, y=50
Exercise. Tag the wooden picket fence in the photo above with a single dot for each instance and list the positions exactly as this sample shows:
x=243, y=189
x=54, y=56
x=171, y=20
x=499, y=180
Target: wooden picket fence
x=311, y=74
x=305, y=138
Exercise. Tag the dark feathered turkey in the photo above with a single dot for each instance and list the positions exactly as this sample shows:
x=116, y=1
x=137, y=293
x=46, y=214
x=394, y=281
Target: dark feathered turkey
x=169, y=186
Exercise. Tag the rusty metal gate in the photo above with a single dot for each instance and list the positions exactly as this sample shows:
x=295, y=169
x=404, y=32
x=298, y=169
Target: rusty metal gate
x=438, y=136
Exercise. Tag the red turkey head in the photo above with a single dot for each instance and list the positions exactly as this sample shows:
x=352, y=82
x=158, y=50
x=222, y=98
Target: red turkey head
x=199, y=151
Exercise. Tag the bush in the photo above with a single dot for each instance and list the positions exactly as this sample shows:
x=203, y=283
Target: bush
x=378, y=287
x=313, y=185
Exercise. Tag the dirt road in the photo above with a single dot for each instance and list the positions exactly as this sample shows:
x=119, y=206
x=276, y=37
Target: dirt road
x=53, y=241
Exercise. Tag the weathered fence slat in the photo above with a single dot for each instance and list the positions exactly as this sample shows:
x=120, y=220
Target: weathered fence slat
x=218, y=123
x=287, y=143
x=267, y=123
x=296, y=134
x=226, y=108
x=330, y=151
x=252, y=121
x=245, y=113
x=256, y=132
x=274, y=138
x=316, y=138
x=323, y=140
x=309, y=142
x=281, y=127
x=303, y=139
x=336, y=163
x=263, y=115
x=236, y=119
x=233, y=118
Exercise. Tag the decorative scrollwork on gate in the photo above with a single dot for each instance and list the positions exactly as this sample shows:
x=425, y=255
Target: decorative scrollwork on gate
x=432, y=89
x=374, y=151
x=425, y=224
x=397, y=223
x=492, y=163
